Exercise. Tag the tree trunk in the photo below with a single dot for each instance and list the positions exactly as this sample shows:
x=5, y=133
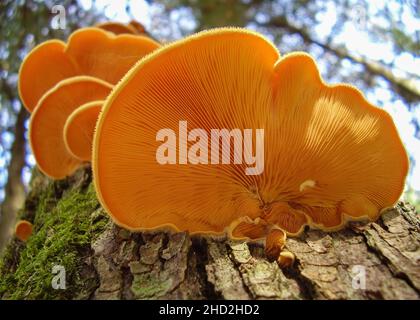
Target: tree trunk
x=102, y=261
x=14, y=189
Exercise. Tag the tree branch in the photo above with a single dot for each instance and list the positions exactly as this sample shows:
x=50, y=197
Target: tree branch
x=405, y=87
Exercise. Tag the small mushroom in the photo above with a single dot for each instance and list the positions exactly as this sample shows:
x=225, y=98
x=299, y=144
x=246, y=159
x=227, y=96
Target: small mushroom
x=330, y=156
x=79, y=130
x=23, y=230
x=48, y=120
x=89, y=51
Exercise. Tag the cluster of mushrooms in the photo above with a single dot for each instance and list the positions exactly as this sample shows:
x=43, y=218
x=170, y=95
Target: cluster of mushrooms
x=330, y=156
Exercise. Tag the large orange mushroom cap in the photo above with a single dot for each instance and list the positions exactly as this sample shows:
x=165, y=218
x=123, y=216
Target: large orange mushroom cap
x=104, y=55
x=79, y=130
x=48, y=120
x=23, y=230
x=329, y=154
x=41, y=69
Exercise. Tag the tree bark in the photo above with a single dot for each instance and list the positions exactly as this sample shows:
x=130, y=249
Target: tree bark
x=14, y=189
x=113, y=263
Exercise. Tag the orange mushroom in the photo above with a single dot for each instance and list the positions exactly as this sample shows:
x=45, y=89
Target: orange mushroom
x=89, y=51
x=117, y=27
x=329, y=155
x=23, y=230
x=138, y=26
x=107, y=56
x=133, y=27
x=48, y=120
x=79, y=129
x=41, y=69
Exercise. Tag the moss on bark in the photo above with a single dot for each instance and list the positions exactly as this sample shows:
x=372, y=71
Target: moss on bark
x=103, y=261
x=64, y=226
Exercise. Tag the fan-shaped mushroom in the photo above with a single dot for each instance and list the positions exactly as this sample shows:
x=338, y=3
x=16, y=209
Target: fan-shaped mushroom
x=23, y=230
x=106, y=56
x=48, y=120
x=79, y=130
x=89, y=51
x=329, y=155
x=41, y=69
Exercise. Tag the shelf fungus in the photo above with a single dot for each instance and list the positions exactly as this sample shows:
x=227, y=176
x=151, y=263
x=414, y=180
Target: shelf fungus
x=88, y=51
x=329, y=155
x=133, y=27
x=79, y=129
x=47, y=123
x=23, y=230
x=138, y=26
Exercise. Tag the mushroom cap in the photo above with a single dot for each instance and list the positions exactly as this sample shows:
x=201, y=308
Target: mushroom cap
x=138, y=26
x=79, y=129
x=89, y=51
x=117, y=27
x=41, y=69
x=23, y=230
x=47, y=122
x=329, y=154
x=106, y=56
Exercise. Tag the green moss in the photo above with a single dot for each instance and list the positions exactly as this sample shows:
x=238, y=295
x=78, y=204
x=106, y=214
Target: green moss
x=8, y=259
x=63, y=231
x=149, y=286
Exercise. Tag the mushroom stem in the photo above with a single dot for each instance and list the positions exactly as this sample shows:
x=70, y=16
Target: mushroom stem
x=286, y=259
x=274, y=248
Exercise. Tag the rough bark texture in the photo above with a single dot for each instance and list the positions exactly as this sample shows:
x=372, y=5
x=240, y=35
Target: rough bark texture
x=103, y=261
